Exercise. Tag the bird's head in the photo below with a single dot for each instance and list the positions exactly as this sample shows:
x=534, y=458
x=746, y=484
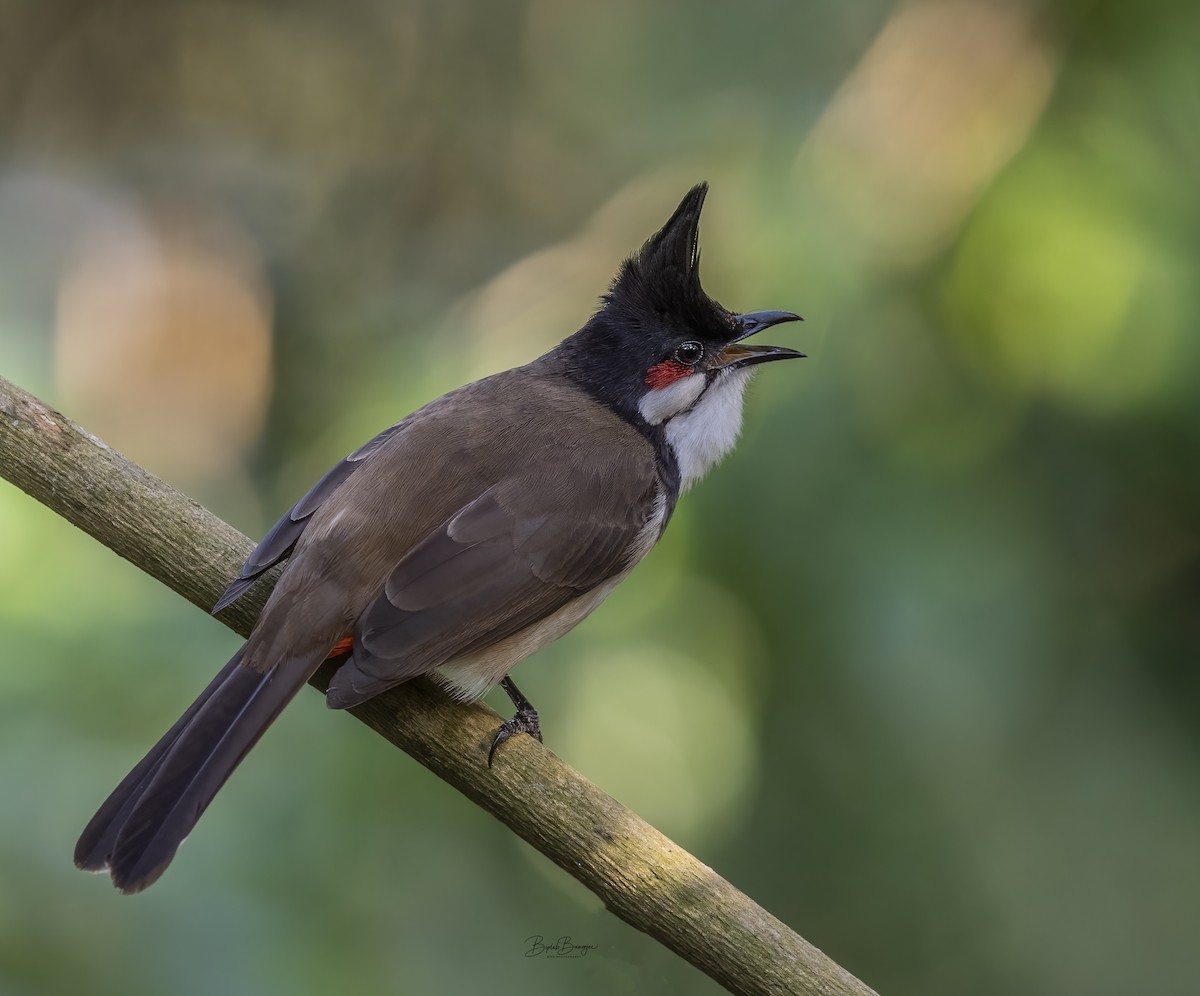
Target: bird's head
x=662, y=353
x=659, y=344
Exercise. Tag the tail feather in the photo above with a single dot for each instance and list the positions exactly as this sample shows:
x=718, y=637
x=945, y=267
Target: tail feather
x=137, y=831
x=96, y=842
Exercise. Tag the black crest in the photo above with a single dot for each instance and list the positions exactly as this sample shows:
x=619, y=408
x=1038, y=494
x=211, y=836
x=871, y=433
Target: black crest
x=655, y=303
x=662, y=279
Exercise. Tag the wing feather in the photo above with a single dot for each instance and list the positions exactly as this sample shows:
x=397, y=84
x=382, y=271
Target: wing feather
x=510, y=558
x=282, y=537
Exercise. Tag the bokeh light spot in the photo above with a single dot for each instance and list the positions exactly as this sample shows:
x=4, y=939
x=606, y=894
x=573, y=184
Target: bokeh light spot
x=164, y=336
x=644, y=717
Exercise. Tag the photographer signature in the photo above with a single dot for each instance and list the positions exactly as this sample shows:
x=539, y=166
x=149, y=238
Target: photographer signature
x=562, y=947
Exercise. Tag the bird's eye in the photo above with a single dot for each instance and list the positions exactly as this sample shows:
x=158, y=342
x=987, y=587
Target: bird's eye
x=689, y=353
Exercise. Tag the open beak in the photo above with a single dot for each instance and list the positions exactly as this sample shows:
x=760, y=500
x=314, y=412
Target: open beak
x=736, y=354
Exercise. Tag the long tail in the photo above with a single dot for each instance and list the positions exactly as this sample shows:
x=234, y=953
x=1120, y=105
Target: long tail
x=140, y=826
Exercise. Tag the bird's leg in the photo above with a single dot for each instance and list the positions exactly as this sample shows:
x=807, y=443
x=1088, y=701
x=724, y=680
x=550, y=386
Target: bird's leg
x=525, y=720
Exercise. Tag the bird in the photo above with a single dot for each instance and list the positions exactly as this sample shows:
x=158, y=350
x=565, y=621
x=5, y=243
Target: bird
x=467, y=536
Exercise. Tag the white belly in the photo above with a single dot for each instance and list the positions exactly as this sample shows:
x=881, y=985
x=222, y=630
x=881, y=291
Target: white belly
x=471, y=676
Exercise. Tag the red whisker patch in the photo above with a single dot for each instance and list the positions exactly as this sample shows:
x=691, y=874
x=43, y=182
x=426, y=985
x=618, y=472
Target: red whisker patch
x=662, y=374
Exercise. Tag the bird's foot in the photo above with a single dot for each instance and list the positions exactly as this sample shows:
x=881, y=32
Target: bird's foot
x=525, y=721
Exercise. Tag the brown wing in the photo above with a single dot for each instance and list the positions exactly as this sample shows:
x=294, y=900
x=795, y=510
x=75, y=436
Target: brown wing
x=282, y=537
x=513, y=556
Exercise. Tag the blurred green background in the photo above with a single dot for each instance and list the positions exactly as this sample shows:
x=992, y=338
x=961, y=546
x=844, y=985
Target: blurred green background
x=916, y=668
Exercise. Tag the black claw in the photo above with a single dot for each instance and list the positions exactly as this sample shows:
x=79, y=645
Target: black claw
x=525, y=721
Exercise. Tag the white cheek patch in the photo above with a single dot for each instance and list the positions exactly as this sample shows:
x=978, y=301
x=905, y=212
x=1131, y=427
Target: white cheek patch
x=702, y=436
x=658, y=406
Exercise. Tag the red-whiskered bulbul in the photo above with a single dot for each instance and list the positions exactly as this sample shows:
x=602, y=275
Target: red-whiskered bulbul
x=466, y=537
